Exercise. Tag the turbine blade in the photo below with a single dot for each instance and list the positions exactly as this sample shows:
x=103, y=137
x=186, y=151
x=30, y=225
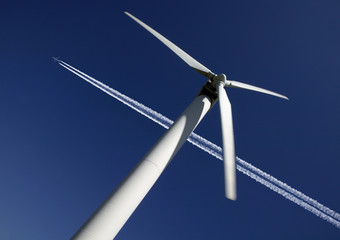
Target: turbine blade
x=236, y=84
x=228, y=142
x=185, y=57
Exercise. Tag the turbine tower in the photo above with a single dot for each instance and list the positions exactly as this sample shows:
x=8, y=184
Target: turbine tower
x=109, y=218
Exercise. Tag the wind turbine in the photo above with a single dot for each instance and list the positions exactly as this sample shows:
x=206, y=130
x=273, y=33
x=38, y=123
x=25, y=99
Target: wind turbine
x=110, y=217
x=218, y=82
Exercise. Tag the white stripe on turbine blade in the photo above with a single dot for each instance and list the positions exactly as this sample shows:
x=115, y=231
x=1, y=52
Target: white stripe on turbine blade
x=228, y=142
x=246, y=168
x=236, y=84
x=183, y=55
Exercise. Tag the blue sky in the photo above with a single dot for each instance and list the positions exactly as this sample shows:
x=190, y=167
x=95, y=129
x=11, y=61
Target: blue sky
x=65, y=145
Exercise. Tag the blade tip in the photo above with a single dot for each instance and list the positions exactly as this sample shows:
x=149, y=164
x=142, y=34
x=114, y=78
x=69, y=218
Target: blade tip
x=231, y=194
x=233, y=198
x=282, y=96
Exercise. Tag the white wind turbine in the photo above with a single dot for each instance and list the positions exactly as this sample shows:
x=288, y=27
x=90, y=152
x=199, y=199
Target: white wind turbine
x=110, y=217
x=217, y=82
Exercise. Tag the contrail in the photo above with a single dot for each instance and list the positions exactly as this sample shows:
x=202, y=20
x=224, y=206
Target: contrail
x=139, y=107
x=216, y=151
x=289, y=196
x=246, y=168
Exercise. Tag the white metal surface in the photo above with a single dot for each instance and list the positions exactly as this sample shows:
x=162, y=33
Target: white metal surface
x=228, y=142
x=110, y=217
x=183, y=55
x=236, y=84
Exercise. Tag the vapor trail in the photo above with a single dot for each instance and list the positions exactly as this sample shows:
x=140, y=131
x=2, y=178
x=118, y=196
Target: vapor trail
x=246, y=168
x=139, y=107
x=289, y=196
x=216, y=151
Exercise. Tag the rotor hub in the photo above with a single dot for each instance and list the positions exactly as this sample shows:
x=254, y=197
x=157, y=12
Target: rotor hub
x=210, y=87
x=222, y=78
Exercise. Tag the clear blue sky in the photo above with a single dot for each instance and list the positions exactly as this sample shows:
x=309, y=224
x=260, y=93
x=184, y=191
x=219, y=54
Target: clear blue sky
x=65, y=145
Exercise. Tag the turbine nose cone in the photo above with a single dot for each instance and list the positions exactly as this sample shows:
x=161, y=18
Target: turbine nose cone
x=220, y=78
